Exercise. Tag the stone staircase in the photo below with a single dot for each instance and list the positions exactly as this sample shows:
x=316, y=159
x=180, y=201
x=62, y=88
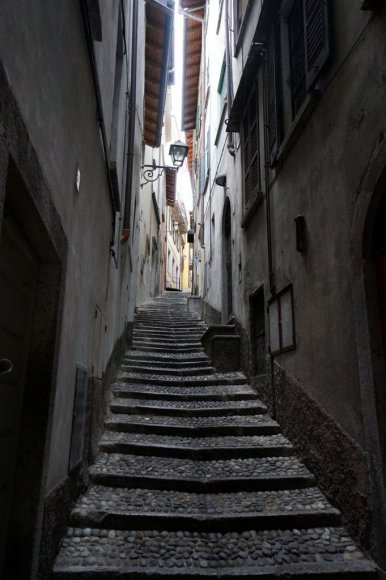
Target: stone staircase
x=194, y=479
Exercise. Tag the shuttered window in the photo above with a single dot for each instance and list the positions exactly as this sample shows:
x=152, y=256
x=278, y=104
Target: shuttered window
x=250, y=147
x=274, y=89
x=308, y=46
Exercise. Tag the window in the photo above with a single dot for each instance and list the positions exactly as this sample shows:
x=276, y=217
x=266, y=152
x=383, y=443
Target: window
x=239, y=10
x=281, y=322
x=297, y=50
x=222, y=90
x=250, y=150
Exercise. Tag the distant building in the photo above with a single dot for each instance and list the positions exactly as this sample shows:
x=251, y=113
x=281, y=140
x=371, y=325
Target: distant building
x=285, y=112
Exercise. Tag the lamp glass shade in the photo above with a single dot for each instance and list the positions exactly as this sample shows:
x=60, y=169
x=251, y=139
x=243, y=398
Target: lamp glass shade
x=178, y=151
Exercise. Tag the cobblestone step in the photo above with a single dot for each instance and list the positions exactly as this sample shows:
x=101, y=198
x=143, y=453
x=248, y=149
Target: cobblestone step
x=167, y=349
x=145, y=331
x=118, y=508
x=170, y=340
x=187, y=408
x=167, y=358
x=208, y=393
x=194, y=480
x=271, y=473
x=199, y=448
x=138, y=554
x=151, y=323
x=169, y=370
x=199, y=380
x=193, y=426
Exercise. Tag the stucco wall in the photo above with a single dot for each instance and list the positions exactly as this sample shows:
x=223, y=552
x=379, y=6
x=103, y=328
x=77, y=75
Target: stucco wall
x=44, y=53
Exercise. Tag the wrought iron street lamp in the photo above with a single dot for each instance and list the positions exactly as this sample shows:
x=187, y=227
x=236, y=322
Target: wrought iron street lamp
x=178, y=152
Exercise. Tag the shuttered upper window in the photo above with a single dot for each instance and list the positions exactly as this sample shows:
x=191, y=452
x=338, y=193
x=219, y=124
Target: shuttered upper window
x=308, y=46
x=297, y=49
x=251, y=152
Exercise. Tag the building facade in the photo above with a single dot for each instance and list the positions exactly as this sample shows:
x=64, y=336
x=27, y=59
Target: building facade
x=79, y=100
x=286, y=116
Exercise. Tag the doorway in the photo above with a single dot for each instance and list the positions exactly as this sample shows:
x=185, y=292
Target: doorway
x=227, y=262
x=377, y=306
x=30, y=288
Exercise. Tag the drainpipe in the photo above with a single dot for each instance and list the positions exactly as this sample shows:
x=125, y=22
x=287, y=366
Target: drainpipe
x=97, y=92
x=272, y=286
x=132, y=110
x=228, y=65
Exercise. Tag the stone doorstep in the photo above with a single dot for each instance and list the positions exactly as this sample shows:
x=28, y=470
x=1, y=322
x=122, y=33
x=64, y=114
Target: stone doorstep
x=192, y=371
x=232, y=393
x=249, y=554
x=188, y=409
x=213, y=380
x=258, y=425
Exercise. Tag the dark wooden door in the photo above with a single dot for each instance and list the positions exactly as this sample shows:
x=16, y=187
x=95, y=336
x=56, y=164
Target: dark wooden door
x=18, y=279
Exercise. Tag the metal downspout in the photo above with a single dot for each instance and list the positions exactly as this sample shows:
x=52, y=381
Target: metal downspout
x=271, y=274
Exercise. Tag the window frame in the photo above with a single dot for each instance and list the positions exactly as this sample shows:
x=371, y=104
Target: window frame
x=277, y=298
x=255, y=194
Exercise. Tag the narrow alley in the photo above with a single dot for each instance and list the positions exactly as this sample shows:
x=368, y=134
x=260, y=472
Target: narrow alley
x=194, y=479
x=192, y=289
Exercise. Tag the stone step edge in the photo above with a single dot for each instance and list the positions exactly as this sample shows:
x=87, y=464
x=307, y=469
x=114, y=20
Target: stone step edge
x=193, y=431
x=356, y=571
x=237, y=396
x=180, y=372
x=157, y=410
x=198, y=485
x=200, y=381
x=203, y=522
x=198, y=454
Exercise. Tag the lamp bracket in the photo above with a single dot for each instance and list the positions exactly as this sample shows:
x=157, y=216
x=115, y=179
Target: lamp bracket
x=151, y=173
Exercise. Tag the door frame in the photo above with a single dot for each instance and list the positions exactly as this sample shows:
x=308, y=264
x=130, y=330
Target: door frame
x=34, y=211
x=371, y=366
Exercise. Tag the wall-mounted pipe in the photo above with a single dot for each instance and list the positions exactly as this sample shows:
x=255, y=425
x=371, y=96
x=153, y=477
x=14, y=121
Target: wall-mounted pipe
x=272, y=285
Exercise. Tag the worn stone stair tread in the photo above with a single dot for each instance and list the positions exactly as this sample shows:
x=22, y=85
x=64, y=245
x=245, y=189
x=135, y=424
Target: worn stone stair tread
x=168, y=334
x=119, y=508
x=207, y=393
x=186, y=358
x=299, y=553
x=186, y=408
x=196, y=447
x=234, y=378
x=194, y=426
x=171, y=370
x=115, y=469
x=188, y=349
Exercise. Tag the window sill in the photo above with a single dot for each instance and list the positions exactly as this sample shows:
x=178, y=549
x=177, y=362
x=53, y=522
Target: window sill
x=297, y=127
x=248, y=215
